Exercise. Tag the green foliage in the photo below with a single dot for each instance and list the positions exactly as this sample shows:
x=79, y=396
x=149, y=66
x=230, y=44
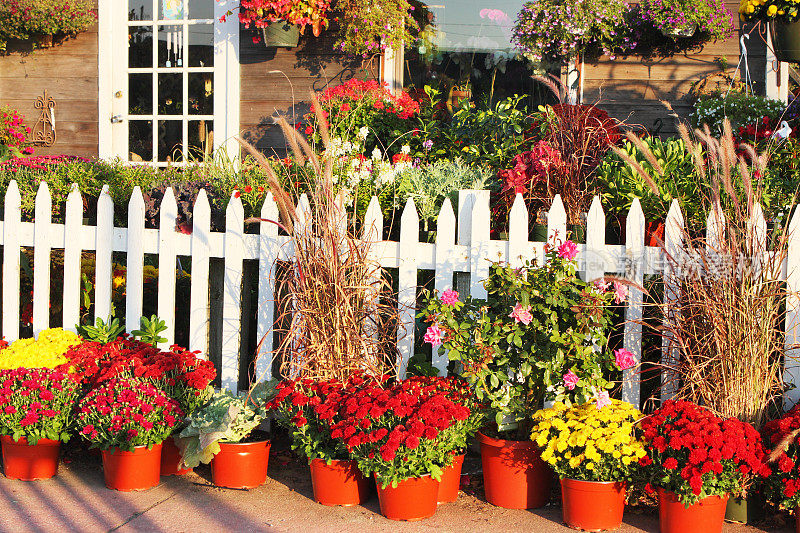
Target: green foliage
x=740, y=108
x=225, y=418
x=151, y=328
x=101, y=332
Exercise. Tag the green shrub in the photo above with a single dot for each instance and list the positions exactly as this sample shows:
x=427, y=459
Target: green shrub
x=740, y=108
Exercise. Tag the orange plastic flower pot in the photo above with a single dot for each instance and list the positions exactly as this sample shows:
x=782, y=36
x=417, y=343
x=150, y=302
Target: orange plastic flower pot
x=338, y=483
x=171, y=459
x=240, y=465
x=592, y=505
x=26, y=462
x=707, y=515
x=136, y=470
x=412, y=499
x=450, y=481
x=514, y=475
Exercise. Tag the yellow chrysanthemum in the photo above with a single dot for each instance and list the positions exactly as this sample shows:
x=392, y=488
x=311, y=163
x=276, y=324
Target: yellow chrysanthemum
x=45, y=352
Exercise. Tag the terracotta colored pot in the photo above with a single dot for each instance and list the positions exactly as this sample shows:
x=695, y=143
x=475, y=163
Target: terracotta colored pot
x=338, y=483
x=240, y=465
x=592, y=505
x=26, y=462
x=653, y=231
x=450, y=481
x=707, y=515
x=171, y=459
x=412, y=499
x=136, y=470
x=514, y=475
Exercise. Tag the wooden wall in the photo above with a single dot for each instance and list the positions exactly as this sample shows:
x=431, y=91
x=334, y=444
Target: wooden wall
x=630, y=88
x=68, y=72
x=276, y=82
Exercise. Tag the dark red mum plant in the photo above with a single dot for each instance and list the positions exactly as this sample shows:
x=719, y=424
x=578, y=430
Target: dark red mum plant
x=694, y=453
x=782, y=485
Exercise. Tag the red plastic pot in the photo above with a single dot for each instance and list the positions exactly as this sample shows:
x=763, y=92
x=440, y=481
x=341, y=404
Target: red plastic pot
x=653, y=231
x=338, y=483
x=707, y=515
x=592, y=505
x=240, y=465
x=412, y=499
x=26, y=462
x=450, y=481
x=514, y=475
x=136, y=470
x=171, y=459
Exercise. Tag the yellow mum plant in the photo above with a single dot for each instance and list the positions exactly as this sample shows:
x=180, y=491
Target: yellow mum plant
x=588, y=443
x=45, y=352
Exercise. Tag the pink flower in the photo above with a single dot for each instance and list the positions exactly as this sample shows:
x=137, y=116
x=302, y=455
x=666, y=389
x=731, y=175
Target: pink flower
x=449, y=297
x=601, y=284
x=602, y=399
x=624, y=359
x=435, y=335
x=570, y=380
x=568, y=250
x=521, y=314
x=620, y=292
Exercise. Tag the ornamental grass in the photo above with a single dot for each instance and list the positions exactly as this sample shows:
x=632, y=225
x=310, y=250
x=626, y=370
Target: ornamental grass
x=338, y=307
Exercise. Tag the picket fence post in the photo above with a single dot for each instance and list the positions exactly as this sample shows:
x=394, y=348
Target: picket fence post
x=232, y=296
x=103, y=269
x=134, y=273
x=198, y=289
x=11, y=262
x=791, y=373
x=632, y=336
x=41, y=259
x=407, y=285
x=167, y=257
x=443, y=276
x=265, y=313
x=73, y=226
x=675, y=258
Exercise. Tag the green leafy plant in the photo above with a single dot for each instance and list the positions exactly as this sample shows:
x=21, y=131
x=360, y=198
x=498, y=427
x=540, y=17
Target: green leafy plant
x=102, y=332
x=225, y=418
x=740, y=108
x=24, y=19
x=538, y=336
x=151, y=328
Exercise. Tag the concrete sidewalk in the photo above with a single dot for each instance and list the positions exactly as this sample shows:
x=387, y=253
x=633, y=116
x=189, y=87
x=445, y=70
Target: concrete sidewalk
x=77, y=500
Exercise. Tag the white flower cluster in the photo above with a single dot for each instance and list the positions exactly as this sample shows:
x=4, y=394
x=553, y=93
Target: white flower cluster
x=353, y=171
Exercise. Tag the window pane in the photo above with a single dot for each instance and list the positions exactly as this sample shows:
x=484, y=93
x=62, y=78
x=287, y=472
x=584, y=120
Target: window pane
x=170, y=9
x=170, y=94
x=140, y=94
x=140, y=140
x=140, y=9
x=201, y=45
x=201, y=9
x=170, y=140
x=170, y=46
x=201, y=139
x=140, y=46
x=201, y=93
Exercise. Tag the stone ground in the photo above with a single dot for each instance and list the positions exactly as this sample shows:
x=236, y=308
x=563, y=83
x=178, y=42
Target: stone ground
x=77, y=500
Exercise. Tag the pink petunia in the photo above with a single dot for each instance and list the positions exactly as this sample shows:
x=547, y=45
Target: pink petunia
x=521, y=313
x=620, y=292
x=570, y=380
x=601, y=284
x=624, y=359
x=568, y=250
x=449, y=297
x=602, y=399
x=434, y=336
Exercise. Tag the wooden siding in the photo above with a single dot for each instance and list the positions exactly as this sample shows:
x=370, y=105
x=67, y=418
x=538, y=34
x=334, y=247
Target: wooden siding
x=68, y=72
x=277, y=81
x=630, y=89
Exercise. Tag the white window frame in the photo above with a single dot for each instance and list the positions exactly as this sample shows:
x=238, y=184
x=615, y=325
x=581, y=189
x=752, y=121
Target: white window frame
x=113, y=80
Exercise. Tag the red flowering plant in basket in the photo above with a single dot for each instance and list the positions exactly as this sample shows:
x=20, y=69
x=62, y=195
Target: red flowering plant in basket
x=408, y=430
x=782, y=484
x=37, y=403
x=260, y=13
x=126, y=413
x=693, y=453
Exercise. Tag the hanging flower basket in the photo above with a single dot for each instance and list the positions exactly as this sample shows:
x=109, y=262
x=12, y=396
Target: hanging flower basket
x=280, y=34
x=786, y=40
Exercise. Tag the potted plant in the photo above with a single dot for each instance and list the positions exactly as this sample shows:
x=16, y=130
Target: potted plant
x=593, y=449
x=38, y=22
x=535, y=338
x=685, y=18
x=36, y=415
x=403, y=435
x=282, y=23
x=308, y=409
x=783, y=481
x=696, y=460
x=782, y=16
x=128, y=419
x=223, y=432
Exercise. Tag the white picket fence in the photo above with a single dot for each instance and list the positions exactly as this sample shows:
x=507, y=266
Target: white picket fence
x=462, y=244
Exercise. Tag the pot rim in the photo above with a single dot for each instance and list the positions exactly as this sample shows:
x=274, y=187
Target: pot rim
x=504, y=443
x=267, y=441
x=593, y=482
x=114, y=449
x=664, y=491
x=23, y=441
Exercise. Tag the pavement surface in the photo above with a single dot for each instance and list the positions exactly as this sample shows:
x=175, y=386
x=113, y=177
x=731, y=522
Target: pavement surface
x=77, y=500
